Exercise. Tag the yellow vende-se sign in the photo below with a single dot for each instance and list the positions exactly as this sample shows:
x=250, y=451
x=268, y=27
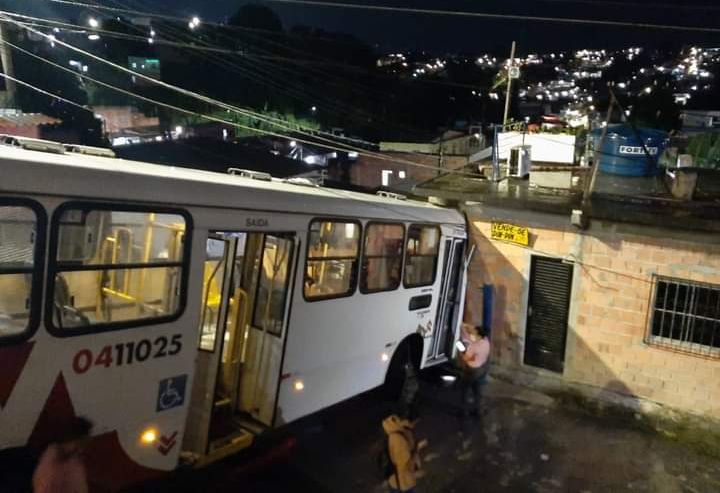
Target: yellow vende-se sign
x=510, y=233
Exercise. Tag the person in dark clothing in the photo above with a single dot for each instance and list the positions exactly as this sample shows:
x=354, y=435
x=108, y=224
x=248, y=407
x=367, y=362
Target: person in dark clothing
x=16, y=469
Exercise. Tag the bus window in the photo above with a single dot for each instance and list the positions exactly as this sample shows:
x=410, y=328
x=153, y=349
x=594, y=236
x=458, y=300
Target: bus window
x=116, y=267
x=333, y=250
x=382, y=257
x=422, y=253
x=272, y=285
x=17, y=260
x=213, y=278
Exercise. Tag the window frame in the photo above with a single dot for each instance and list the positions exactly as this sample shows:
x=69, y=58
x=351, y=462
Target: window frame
x=364, y=256
x=677, y=345
x=36, y=284
x=358, y=255
x=293, y=245
x=407, y=255
x=204, y=301
x=53, y=267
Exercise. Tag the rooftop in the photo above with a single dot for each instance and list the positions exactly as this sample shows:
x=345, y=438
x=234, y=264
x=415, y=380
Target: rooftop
x=645, y=201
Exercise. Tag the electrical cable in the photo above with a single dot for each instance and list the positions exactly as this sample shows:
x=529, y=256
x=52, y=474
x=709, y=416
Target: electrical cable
x=211, y=100
x=230, y=123
x=487, y=15
x=46, y=93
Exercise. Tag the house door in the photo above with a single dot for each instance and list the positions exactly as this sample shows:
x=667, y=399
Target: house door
x=547, y=315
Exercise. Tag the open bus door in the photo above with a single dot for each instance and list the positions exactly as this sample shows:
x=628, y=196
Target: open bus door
x=243, y=324
x=452, y=295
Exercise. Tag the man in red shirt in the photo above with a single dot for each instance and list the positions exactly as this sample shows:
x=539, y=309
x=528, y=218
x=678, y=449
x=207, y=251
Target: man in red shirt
x=474, y=363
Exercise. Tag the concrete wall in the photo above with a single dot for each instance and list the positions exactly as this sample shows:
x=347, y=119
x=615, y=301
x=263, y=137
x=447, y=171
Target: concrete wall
x=464, y=145
x=545, y=147
x=118, y=118
x=367, y=171
x=609, y=309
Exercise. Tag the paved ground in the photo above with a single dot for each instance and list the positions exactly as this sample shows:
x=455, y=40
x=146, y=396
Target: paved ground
x=523, y=443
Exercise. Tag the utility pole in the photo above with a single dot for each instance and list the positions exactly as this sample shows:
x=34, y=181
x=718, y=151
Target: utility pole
x=441, y=158
x=509, y=84
x=7, y=68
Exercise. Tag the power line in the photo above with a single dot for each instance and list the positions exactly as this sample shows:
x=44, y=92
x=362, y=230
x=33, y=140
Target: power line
x=79, y=29
x=119, y=10
x=230, y=123
x=333, y=107
x=487, y=15
x=209, y=48
x=46, y=93
x=270, y=120
x=267, y=119
x=73, y=103
x=611, y=3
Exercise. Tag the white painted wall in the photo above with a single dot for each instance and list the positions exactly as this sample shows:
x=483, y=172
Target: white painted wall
x=545, y=147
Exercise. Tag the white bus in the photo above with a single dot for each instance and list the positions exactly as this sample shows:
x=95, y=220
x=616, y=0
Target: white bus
x=187, y=311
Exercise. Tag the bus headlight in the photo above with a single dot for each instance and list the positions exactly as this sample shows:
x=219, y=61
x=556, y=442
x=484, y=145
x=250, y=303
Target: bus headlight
x=148, y=436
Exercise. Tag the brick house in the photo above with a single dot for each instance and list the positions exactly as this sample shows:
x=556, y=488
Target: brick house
x=120, y=121
x=396, y=170
x=32, y=125
x=625, y=308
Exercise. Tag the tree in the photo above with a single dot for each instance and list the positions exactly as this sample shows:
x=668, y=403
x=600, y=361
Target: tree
x=657, y=110
x=256, y=16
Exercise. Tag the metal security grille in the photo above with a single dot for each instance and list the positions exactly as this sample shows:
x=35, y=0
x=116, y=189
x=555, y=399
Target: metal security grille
x=685, y=317
x=548, y=307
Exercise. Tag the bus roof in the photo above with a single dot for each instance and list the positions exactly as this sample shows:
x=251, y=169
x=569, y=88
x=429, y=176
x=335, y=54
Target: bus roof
x=85, y=176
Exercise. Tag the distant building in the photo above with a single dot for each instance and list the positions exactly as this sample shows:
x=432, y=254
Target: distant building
x=400, y=171
x=700, y=121
x=127, y=124
x=452, y=142
x=33, y=125
x=406, y=164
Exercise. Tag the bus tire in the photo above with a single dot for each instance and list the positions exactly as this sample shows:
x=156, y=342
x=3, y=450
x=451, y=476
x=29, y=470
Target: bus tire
x=408, y=351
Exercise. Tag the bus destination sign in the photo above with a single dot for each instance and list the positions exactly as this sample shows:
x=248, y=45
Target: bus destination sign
x=510, y=233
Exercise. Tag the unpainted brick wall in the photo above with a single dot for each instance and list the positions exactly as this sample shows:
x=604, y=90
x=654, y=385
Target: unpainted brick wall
x=609, y=310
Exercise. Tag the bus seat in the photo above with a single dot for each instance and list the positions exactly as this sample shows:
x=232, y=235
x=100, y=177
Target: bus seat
x=66, y=315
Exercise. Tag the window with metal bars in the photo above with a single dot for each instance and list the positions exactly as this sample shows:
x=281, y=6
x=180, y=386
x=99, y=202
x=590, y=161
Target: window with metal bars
x=685, y=316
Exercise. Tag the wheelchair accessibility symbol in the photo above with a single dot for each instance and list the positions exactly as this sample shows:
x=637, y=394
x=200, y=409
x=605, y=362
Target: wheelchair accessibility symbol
x=171, y=393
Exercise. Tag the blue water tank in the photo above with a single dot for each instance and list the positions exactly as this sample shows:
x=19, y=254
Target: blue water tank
x=622, y=152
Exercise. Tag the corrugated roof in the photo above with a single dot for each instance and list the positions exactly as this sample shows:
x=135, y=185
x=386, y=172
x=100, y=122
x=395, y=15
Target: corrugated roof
x=27, y=120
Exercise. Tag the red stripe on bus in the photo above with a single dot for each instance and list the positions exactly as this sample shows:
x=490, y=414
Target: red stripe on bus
x=12, y=364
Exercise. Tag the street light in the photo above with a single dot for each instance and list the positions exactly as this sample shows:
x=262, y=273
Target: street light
x=313, y=109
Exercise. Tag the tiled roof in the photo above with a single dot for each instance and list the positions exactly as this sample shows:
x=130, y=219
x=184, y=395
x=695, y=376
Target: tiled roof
x=27, y=120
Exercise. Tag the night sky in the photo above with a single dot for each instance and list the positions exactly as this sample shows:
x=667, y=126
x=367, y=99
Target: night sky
x=402, y=31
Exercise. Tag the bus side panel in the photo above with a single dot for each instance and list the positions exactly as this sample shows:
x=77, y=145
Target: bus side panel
x=127, y=382
x=341, y=347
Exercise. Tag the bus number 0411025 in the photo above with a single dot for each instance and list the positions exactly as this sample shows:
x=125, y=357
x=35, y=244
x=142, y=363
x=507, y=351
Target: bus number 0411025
x=127, y=353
